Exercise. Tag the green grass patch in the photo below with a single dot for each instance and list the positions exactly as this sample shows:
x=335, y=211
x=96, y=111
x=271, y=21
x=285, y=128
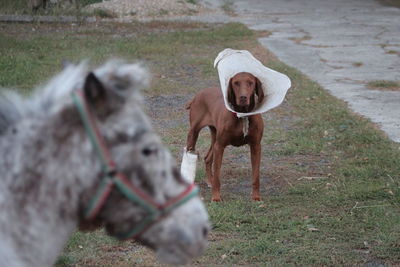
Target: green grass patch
x=330, y=179
x=14, y=6
x=227, y=6
x=384, y=85
x=103, y=13
x=88, y=2
x=194, y=2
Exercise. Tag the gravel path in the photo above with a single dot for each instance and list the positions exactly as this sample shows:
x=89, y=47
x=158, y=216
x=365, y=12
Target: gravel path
x=143, y=9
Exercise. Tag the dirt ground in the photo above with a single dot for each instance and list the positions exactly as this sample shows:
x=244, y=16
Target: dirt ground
x=278, y=172
x=167, y=110
x=147, y=9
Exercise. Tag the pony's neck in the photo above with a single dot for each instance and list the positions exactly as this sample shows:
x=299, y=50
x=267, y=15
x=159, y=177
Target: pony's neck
x=39, y=202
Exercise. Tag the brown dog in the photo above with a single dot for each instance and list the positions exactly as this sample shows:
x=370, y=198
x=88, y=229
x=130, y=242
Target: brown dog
x=207, y=108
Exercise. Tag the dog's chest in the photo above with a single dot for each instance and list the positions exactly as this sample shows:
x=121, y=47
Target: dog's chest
x=239, y=133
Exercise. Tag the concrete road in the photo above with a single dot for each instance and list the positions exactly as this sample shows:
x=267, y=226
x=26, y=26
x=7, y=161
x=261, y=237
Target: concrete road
x=341, y=44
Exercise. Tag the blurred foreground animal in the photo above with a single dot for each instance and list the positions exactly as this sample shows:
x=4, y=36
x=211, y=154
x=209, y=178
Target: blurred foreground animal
x=81, y=153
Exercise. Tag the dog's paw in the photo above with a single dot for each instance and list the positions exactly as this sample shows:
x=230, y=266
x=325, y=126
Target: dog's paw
x=256, y=198
x=216, y=199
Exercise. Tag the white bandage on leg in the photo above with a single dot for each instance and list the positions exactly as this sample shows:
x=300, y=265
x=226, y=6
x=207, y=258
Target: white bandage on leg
x=188, y=166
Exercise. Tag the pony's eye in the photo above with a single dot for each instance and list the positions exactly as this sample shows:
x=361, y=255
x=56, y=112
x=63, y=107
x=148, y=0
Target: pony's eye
x=149, y=150
x=121, y=84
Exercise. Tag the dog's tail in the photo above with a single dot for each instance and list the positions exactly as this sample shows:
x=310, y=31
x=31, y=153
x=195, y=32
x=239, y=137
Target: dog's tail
x=188, y=104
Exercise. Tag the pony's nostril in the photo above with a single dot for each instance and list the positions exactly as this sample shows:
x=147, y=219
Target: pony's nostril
x=205, y=232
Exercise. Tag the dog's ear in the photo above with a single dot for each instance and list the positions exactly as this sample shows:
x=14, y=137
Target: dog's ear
x=259, y=91
x=231, y=94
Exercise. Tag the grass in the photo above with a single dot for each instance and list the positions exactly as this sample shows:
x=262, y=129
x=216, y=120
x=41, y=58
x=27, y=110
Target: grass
x=194, y=2
x=88, y=2
x=384, y=85
x=13, y=6
x=227, y=7
x=103, y=13
x=394, y=3
x=330, y=179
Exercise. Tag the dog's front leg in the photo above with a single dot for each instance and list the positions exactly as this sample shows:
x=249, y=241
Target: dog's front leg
x=218, y=152
x=255, y=150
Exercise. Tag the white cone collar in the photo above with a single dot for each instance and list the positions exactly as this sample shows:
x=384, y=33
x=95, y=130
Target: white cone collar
x=230, y=62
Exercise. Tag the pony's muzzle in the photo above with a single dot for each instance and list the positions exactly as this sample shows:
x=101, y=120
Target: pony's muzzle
x=187, y=245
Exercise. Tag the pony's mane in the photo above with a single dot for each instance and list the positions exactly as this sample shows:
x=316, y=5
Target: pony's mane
x=10, y=109
x=13, y=106
x=50, y=98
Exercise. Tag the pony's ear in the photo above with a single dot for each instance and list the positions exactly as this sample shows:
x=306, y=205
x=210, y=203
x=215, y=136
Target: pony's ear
x=231, y=94
x=259, y=91
x=95, y=92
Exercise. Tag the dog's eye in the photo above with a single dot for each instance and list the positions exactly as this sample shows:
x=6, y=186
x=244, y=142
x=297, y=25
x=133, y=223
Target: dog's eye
x=236, y=83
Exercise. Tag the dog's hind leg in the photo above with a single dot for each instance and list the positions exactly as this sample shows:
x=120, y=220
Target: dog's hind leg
x=192, y=138
x=208, y=159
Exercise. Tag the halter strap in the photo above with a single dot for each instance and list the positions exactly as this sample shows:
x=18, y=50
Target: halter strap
x=112, y=177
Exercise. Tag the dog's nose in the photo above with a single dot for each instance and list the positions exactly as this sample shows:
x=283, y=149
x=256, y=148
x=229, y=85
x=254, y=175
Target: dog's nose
x=243, y=99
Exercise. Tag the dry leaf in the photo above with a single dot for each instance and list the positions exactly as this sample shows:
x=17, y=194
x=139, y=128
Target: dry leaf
x=312, y=228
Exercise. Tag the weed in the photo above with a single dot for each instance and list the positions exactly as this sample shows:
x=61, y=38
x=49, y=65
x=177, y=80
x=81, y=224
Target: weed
x=227, y=7
x=384, y=85
x=357, y=64
x=194, y=2
x=88, y=2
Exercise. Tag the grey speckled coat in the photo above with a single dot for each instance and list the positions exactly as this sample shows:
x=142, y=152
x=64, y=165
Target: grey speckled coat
x=49, y=169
